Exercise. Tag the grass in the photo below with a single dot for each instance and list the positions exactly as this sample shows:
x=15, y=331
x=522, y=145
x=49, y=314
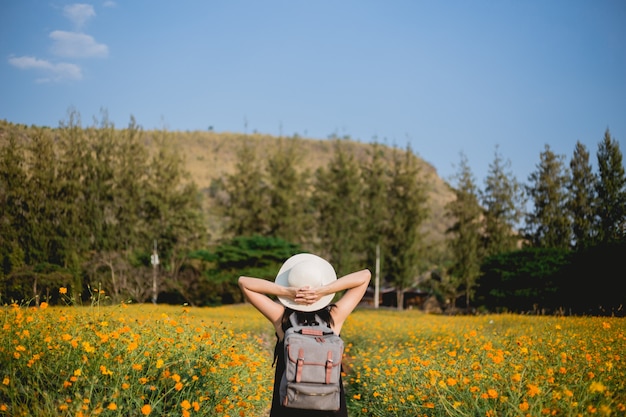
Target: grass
x=136, y=360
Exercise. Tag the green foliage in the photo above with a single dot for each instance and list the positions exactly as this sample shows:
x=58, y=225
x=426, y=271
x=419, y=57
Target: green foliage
x=524, y=280
x=256, y=256
x=595, y=280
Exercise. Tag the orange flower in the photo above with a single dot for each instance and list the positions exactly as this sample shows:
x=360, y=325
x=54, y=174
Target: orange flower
x=62, y=290
x=533, y=390
x=146, y=409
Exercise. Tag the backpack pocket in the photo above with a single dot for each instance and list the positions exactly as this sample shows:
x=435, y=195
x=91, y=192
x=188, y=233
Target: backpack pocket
x=311, y=396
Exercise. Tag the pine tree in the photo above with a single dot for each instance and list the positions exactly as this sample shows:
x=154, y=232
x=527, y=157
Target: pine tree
x=581, y=202
x=43, y=210
x=338, y=200
x=548, y=225
x=288, y=215
x=502, y=200
x=244, y=197
x=465, y=233
x=175, y=218
x=611, y=191
x=375, y=172
x=407, y=211
x=13, y=204
x=75, y=225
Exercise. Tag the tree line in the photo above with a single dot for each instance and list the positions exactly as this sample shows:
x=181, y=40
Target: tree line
x=562, y=254
x=83, y=208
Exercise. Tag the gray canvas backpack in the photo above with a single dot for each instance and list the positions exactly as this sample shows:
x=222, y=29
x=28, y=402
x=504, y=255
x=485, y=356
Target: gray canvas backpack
x=312, y=375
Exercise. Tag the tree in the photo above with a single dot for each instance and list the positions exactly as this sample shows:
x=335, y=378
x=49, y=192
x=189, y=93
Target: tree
x=288, y=214
x=74, y=225
x=465, y=232
x=338, y=199
x=173, y=209
x=502, y=200
x=581, y=202
x=256, y=256
x=548, y=225
x=13, y=204
x=244, y=197
x=43, y=212
x=406, y=200
x=375, y=173
x=611, y=191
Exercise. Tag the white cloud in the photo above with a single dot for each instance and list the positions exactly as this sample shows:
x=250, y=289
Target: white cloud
x=109, y=3
x=53, y=72
x=79, y=13
x=76, y=45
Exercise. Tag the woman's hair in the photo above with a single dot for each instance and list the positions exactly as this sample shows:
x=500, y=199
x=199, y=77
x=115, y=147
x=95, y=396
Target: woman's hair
x=308, y=317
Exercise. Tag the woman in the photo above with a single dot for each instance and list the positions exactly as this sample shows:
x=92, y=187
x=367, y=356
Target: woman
x=306, y=285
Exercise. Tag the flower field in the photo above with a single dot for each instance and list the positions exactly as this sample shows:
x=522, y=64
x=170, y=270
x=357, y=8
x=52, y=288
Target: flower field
x=138, y=360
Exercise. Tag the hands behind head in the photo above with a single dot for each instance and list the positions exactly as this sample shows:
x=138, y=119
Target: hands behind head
x=305, y=295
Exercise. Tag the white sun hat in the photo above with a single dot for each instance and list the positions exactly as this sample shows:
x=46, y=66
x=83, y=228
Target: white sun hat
x=306, y=270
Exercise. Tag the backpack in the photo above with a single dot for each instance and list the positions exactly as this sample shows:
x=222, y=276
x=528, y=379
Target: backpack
x=312, y=374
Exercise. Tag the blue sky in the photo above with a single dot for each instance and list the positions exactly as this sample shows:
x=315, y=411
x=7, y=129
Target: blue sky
x=443, y=76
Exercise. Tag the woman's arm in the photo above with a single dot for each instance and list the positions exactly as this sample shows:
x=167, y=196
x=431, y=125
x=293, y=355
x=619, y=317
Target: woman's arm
x=256, y=291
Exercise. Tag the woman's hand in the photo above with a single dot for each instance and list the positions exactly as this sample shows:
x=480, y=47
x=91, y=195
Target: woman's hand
x=307, y=295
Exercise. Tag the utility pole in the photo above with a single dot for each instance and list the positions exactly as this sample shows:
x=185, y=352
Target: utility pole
x=154, y=260
x=377, y=278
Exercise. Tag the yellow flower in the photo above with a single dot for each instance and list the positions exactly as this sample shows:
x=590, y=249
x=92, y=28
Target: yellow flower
x=159, y=363
x=597, y=387
x=6, y=381
x=112, y=406
x=43, y=305
x=62, y=290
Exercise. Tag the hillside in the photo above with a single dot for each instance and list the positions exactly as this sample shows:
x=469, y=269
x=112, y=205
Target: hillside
x=210, y=155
